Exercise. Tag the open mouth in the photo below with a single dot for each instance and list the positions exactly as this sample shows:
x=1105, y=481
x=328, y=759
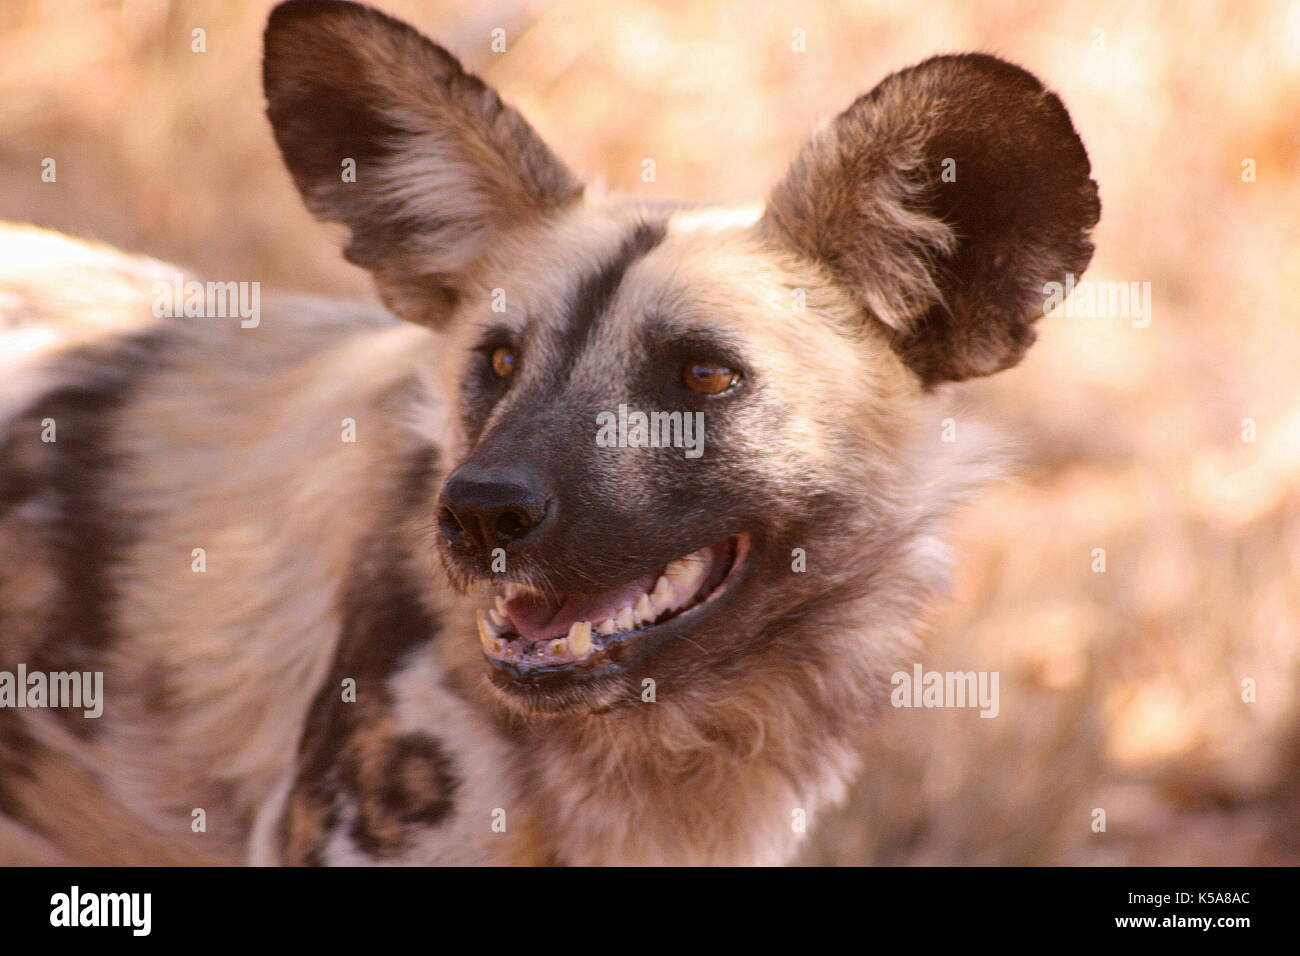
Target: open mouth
x=529, y=631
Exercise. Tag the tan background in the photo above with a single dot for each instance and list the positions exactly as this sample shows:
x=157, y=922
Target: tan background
x=1120, y=690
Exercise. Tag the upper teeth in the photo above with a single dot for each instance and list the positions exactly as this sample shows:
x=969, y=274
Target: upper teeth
x=679, y=583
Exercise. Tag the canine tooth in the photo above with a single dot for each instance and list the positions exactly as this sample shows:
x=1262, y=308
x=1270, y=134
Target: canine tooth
x=663, y=596
x=644, y=612
x=625, y=621
x=496, y=617
x=606, y=627
x=501, y=606
x=687, y=574
x=558, y=647
x=487, y=634
x=580, y=637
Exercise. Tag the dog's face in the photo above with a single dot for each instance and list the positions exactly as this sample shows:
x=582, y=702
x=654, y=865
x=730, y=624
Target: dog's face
x=610, y=559
x=678, y=429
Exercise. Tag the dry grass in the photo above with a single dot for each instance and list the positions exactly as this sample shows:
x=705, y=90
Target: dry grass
x=1120, y=690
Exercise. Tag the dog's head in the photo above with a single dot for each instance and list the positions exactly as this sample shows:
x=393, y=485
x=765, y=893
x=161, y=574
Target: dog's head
x=680, y=428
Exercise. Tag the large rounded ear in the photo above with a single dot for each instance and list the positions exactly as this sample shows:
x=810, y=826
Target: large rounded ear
x=384, y=132
x=943, y=201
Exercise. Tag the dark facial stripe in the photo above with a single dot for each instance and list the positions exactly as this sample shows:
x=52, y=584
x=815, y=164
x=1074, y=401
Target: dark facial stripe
x=596, y=290
x=87, y=532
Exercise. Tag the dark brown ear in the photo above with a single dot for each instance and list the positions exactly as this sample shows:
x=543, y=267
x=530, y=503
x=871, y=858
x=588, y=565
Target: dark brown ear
x=944, y=200
x=442, y=166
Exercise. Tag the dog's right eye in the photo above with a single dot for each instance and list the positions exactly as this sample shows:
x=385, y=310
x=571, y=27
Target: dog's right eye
x=504, y=361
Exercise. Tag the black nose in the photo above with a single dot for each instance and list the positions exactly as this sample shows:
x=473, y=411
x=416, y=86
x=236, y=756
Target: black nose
x=490, y=509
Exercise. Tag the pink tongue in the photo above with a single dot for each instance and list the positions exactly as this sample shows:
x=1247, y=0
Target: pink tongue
x=538, y=618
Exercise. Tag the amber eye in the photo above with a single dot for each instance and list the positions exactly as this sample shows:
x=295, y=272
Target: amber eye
x=708, y=378
x=504, y=361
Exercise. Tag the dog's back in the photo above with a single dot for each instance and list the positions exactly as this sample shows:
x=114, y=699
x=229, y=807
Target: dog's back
x=178, y=496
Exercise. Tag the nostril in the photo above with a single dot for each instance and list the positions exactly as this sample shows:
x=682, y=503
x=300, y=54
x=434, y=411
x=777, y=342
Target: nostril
x=449, y=524
x=513, y=525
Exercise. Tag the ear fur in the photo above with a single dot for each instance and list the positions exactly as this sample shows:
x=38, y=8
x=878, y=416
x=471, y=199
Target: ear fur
x=953, y=264
x=442, y=166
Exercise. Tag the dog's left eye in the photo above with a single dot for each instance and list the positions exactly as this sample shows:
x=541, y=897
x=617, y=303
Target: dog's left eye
x=709, y=378
x=504, y=361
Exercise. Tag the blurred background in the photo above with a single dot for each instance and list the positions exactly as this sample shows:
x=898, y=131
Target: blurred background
x=1174, y=447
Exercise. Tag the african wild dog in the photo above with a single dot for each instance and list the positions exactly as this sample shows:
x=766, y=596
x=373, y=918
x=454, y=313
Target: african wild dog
x=475, y=634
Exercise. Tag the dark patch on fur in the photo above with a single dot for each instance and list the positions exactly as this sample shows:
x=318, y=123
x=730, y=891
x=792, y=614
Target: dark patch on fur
x=383, y=619
x=415, y=786
x=86, y=533
x=421, y=782
x=350, y=754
